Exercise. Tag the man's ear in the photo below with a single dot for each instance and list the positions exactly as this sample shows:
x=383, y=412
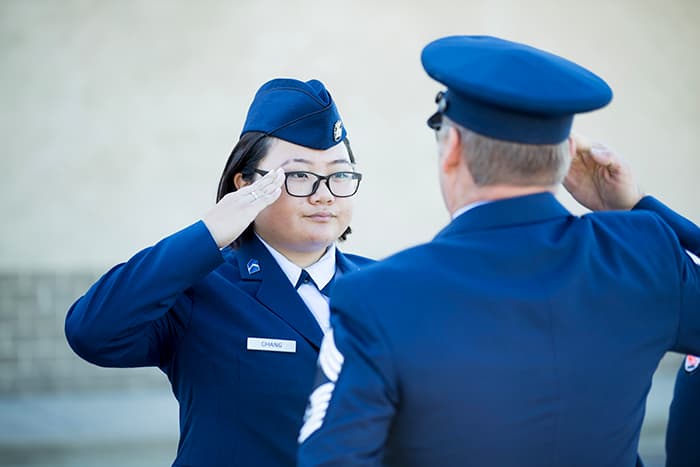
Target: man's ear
x=239, y=181
x=451, y=150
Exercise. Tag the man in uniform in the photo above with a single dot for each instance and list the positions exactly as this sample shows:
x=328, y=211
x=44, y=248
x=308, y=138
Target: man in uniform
x=521, y=335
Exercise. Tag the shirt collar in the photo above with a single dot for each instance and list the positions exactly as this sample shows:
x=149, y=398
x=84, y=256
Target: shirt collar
x=321, y=271
x=468, y=207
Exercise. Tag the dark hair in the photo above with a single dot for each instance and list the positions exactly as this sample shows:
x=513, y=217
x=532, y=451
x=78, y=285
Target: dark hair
x=244, y=159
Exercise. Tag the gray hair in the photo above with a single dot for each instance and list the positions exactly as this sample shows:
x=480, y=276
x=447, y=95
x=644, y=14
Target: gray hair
x=493, y=162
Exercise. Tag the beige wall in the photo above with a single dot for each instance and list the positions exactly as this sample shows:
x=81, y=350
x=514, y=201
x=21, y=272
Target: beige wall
x=117, y=116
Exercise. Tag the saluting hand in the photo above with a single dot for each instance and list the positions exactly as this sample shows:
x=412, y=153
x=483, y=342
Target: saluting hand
x=234, y=212
x=599, y=179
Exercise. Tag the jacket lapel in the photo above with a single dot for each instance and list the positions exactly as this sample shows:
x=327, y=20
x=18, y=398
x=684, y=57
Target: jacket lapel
x=276, y=293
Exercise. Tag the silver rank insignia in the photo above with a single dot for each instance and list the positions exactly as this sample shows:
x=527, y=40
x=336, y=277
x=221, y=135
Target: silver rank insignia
x=253, y=266
x=337, y=131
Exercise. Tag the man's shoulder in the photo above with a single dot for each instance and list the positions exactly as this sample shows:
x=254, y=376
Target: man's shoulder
x=613, y=216
x=638, y=223
x=358, y=260
x=380, y=271
x=634, y=231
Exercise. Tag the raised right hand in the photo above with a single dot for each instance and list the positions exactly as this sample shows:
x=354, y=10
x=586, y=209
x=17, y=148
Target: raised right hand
x=234, y=212
x=599, y=178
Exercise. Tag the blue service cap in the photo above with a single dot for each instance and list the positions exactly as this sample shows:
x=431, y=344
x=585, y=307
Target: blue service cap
x=299, y=112
x=510, y=91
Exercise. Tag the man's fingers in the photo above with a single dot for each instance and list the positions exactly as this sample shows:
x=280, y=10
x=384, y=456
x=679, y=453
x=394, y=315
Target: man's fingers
x=580, y=142
x=602, y=155
x=587, y=151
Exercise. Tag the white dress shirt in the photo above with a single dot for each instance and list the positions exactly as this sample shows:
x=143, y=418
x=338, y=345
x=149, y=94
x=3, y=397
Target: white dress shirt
x=321, y=272
x=466, y=208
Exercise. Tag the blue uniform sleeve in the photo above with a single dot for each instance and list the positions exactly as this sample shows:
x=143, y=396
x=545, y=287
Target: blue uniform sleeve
x=134, y=314
x=682, y=431
x=688, y=234
x=355, y=396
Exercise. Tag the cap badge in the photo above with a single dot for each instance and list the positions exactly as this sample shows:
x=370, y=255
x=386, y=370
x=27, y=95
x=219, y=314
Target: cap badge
x=253, y=266
x=337, y=131
x=691, y=363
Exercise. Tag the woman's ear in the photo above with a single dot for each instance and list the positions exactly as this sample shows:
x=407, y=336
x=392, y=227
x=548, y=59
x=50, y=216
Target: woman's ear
x=239, y=181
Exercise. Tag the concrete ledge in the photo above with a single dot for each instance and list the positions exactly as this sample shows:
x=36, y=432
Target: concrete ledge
x=88, y=419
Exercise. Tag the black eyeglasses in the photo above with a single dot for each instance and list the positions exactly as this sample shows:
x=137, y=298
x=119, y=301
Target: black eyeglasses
x=435, y=120
x=301, y=183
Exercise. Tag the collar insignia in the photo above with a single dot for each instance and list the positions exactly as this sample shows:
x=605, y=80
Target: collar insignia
x=253, y=266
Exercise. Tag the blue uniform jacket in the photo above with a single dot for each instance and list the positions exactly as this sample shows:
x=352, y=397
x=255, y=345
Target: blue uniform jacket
x=520, y=336
x=187, y=308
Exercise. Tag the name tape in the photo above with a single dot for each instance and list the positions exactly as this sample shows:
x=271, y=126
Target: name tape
x=272, y=345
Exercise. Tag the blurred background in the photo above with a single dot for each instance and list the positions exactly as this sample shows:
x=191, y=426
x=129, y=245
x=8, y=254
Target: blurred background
x=117, y=118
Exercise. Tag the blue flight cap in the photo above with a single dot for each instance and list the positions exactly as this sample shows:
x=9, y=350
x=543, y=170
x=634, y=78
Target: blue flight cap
x=299, y=112
x=510, y=91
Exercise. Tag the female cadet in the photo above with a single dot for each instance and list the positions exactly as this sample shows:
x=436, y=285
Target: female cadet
x=215, y=306
x=683, y=426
